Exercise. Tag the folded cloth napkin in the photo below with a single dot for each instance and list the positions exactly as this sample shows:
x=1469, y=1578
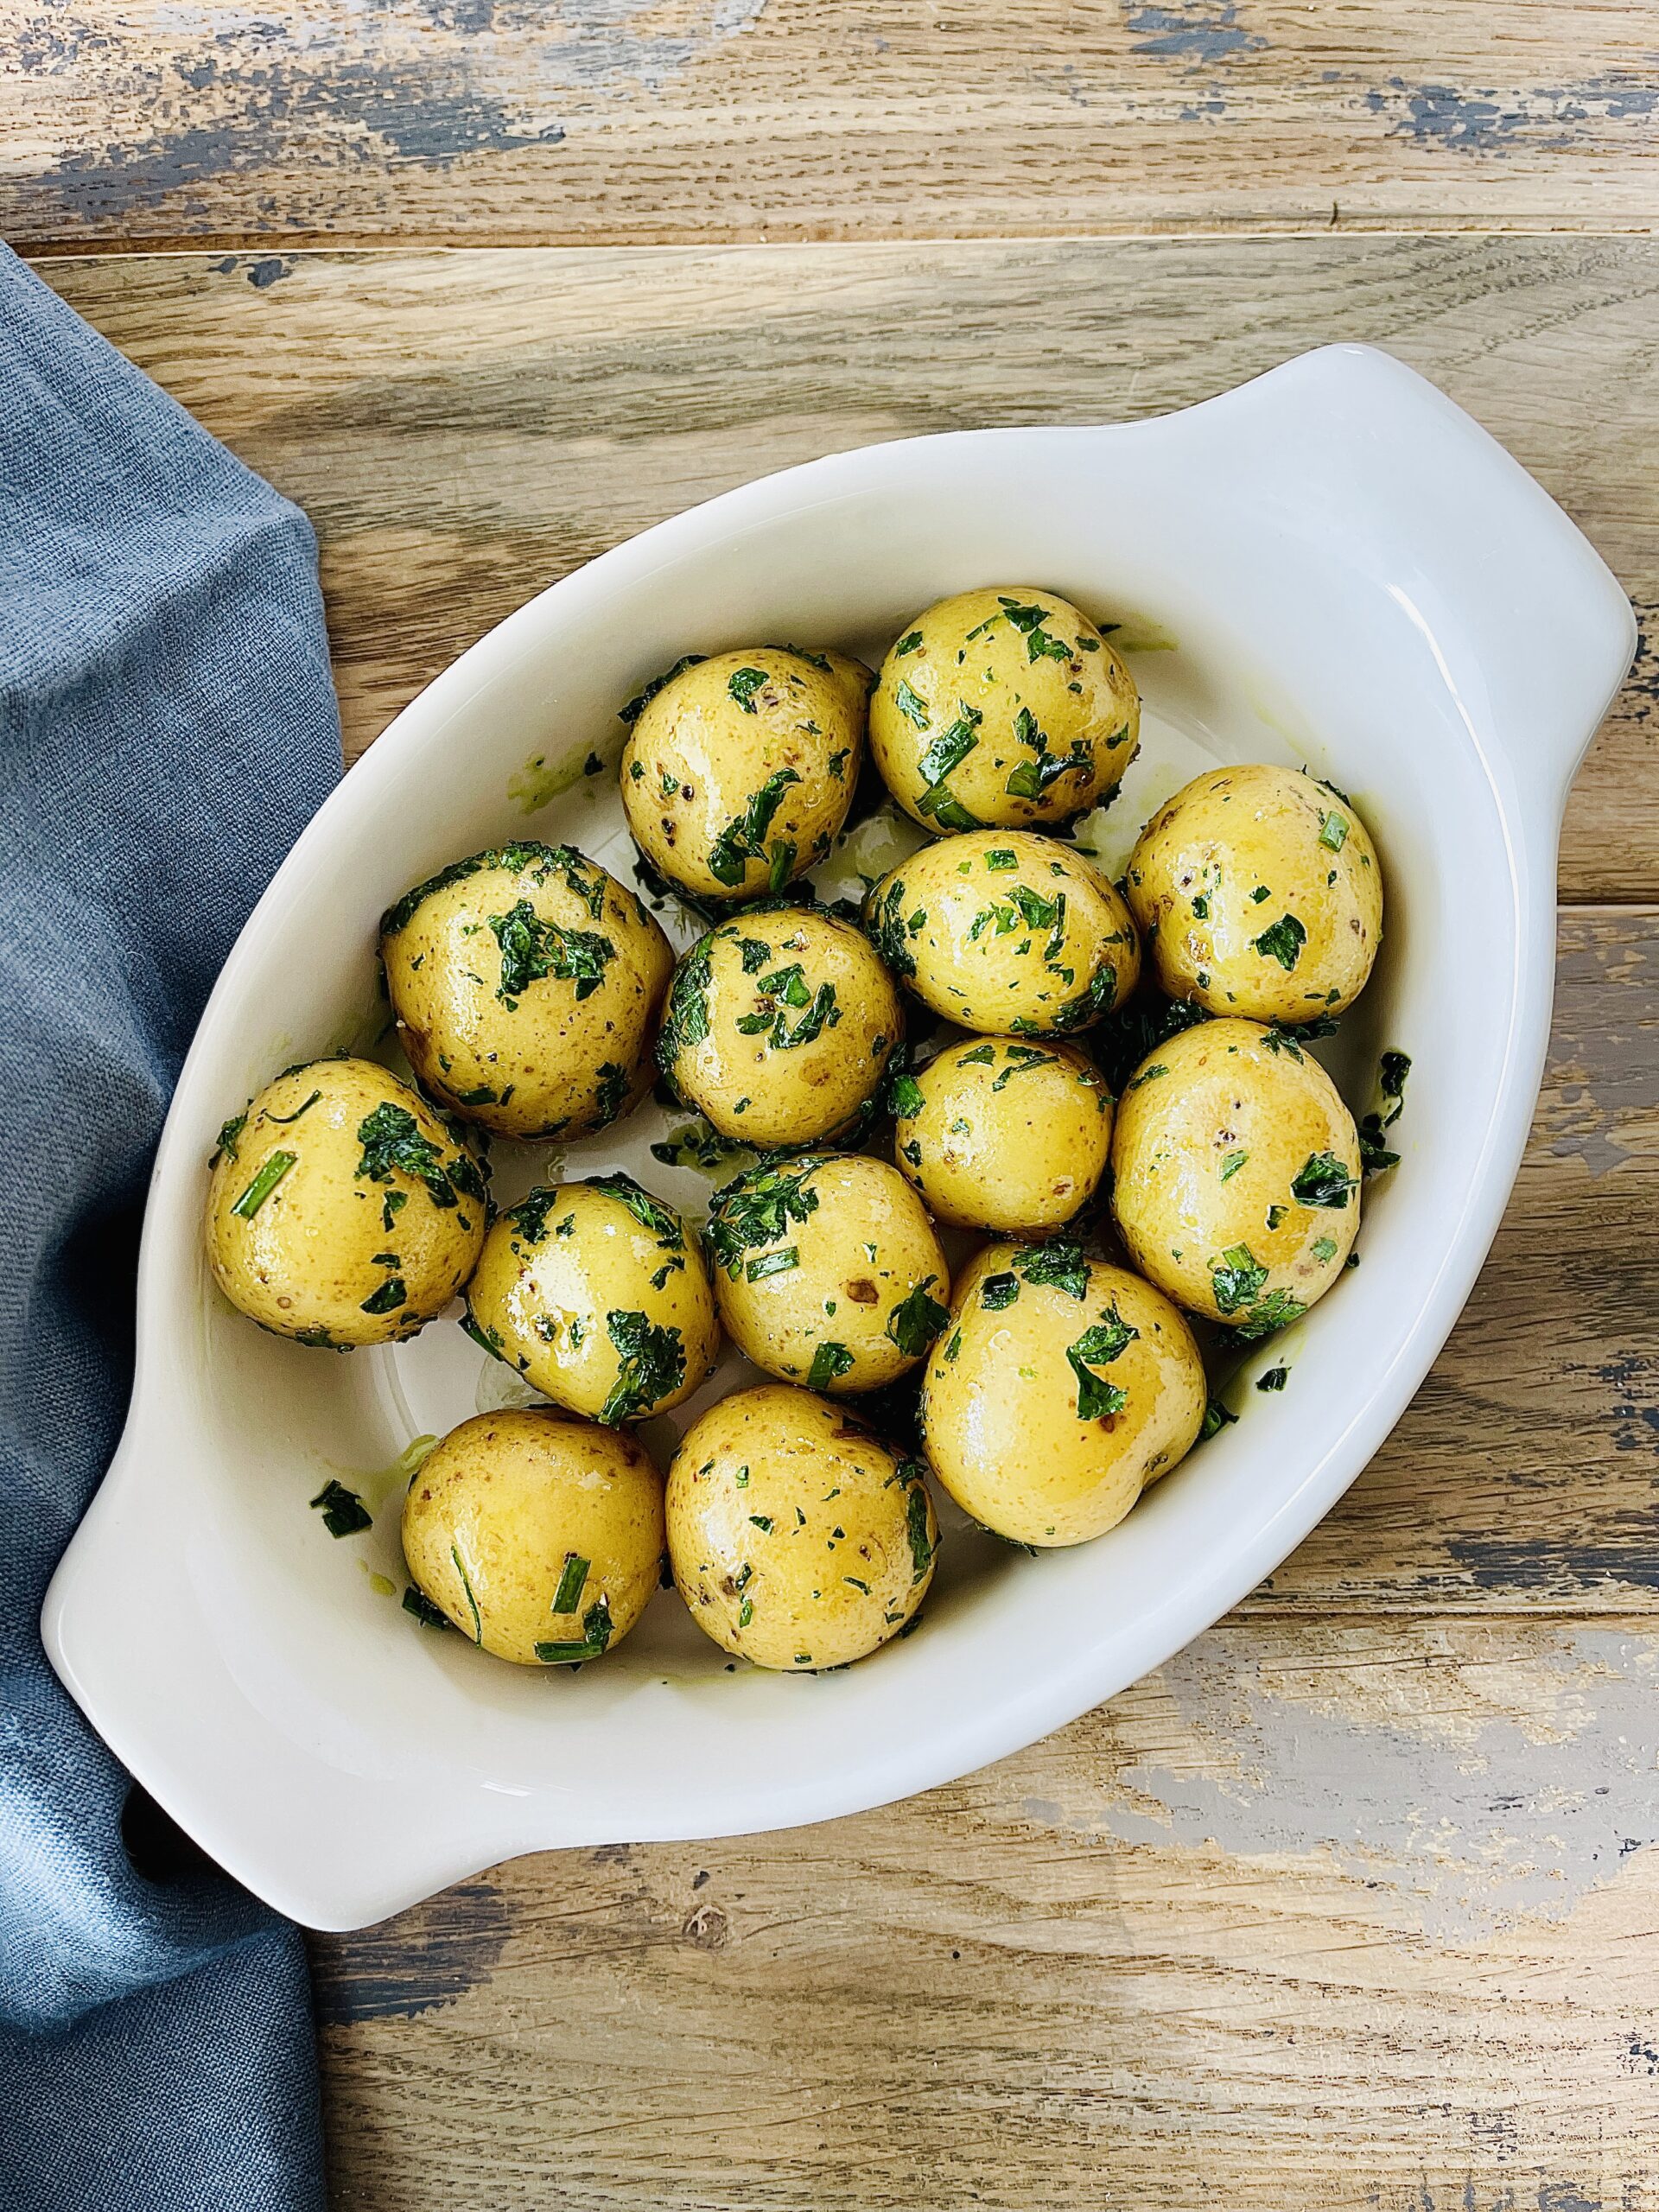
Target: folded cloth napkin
x=166, y=726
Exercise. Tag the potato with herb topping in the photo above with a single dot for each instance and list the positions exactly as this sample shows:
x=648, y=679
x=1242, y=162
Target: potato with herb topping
x=1002, y=709
x=1061, y=1387
x=1001, y=1134
x=596, y=1295
x=1236, y=1174
x=1006, y=933
x=540, y=1538
x=738, y=771
x=827, y=1271
x=799, y=1540
x=1260, y=894
x=342, y=1210
x=779, y=1027
x=527, y=984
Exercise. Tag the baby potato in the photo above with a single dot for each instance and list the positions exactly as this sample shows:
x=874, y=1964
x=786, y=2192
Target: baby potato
x=779, y=1026
x=1005, y=932
x=1259, y=893
x=542, y=1539
x=738, y=773
x=527, y=984
x=341, y=1209
x=1061, y=1387
x=827, y=1271
x=797, y=1539
x=999, y=1134
x=1237, y=1174
x=1002, y=708
x=598, y=1297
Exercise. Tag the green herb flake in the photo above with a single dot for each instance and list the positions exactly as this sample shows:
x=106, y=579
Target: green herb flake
x=1325, y=1250
x=781, y=1262
x=343, y=1511
x=909, y=643
x=743, y=683
x=652, y=1366
x=756, y=1210
x=916, y=1320
x=270, y=1175
x=573, y=1577
x=745, y=839
x=1231, y=1164
x=998, y=1291
x=1333, y=835
x=829, y=1362
x=1215, y=1418
x=1059, y=1266
x=1282, y=941
x=1275, y=1379
x=596, y=1629
x=1323, y=1179
x=226, y=1148
x=392, y=1293
x=911, y=705
x=429, y=1615
x=1237, y=1278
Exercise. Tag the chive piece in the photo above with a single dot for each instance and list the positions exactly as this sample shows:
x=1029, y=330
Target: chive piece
x=573, y=1574
x=830, y=1361
x=773, y=1263
x=478, y=1624
x=595, y=1639
x=1275, y=1379
x=1333, y=835
x=298, y=1110
x=429, y=1615
x=264, y=1183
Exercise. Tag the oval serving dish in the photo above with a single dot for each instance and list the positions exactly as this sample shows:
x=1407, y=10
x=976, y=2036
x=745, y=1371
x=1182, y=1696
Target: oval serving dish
x=1332, y=565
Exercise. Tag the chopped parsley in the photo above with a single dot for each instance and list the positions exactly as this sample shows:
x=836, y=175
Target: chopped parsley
x=539, y=863
x=1322, y=1180
x=343, y=1511
x=429, y=1615
x=392, y=1293
x=905, y=1099
x=686, y=1021
x=1060, y=1266
x=392, y=1143
x=1237, y=1278
x=1099, y=1346
x=662, y=1222
x=743, y=683
x=829, y=1362
x=1215, y=1418
x=916, y=1320
x=226, y=1148
x=1039, y=644
x=533, y=949
x=911, y=706
x=1232, y=1163
x=1275, y=1379
x=756, y=1210
x=610, y=1091
x=641, y=700
x=1282, y=941
x=999, y=1291
x=745, y=839
x=913, y=1474
x=652, y=1366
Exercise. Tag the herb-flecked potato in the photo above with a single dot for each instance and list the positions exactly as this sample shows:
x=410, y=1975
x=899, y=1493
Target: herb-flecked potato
x=827, y=1271
x=780, y=1027
x=1005, y=932
x=738, y=773
x=1061, y=1387
x=541, y=1538
x=527, y=984
x=341, y=1210
x=997, y=1134
x=1002, y=709
x=799, y=1540
x=596, y=1295
x=1236, y=1174
x=1259, y=892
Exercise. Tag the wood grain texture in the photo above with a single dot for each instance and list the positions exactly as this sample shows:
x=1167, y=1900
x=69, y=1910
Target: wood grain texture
x=636, y=121
x=464, y=428
x=1344, y=1916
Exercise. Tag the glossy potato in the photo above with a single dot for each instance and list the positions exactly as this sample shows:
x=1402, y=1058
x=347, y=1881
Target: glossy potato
x=828, y=1271
x=780, y=1027
x=738, y=773
x=541, y=1538
x=1001, y=1134
x=341, y=1210
x=527, y=985
x=1236, y=1174
x=1061, y=1389
x=1006, y=933
x=594, y=1292
x=1002, y=709
x=1260, y=894
x=799, y=1540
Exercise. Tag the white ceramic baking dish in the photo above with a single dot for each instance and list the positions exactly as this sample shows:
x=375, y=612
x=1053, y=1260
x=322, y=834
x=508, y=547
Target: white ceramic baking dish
x=1333, y=564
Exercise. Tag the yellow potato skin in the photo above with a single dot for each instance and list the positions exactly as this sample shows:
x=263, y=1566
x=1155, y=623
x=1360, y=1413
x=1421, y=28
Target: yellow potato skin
x=701, y=752
x=864, y=1249
x=1005, y=1135
x=1000, y=1403
x=305, y=1261
x=538, y=1061
x=501, y=1505
x=1229, y=1087
x=559, y=1263
x=747, y=1083
x=973, y=956
x=1042, y=691
x=1196, y=879
x=799, y=1540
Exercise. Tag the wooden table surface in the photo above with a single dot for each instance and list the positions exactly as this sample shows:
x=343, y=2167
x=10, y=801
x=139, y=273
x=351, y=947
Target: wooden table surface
x=1355, y=1903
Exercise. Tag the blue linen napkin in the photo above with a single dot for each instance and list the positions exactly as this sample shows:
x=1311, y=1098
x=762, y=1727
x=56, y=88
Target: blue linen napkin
x=166, y=726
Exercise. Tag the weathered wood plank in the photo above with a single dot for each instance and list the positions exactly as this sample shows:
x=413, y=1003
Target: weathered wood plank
x=463, y=428
x=1324, y=1916
x=638, y=121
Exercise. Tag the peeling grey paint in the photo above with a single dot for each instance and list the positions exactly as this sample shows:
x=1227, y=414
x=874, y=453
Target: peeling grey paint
x=1473, y=1821
x=1199, y=32
x=1467, y=120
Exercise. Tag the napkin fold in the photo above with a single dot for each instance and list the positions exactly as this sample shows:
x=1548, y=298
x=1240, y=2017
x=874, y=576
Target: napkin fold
x=167, y=727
